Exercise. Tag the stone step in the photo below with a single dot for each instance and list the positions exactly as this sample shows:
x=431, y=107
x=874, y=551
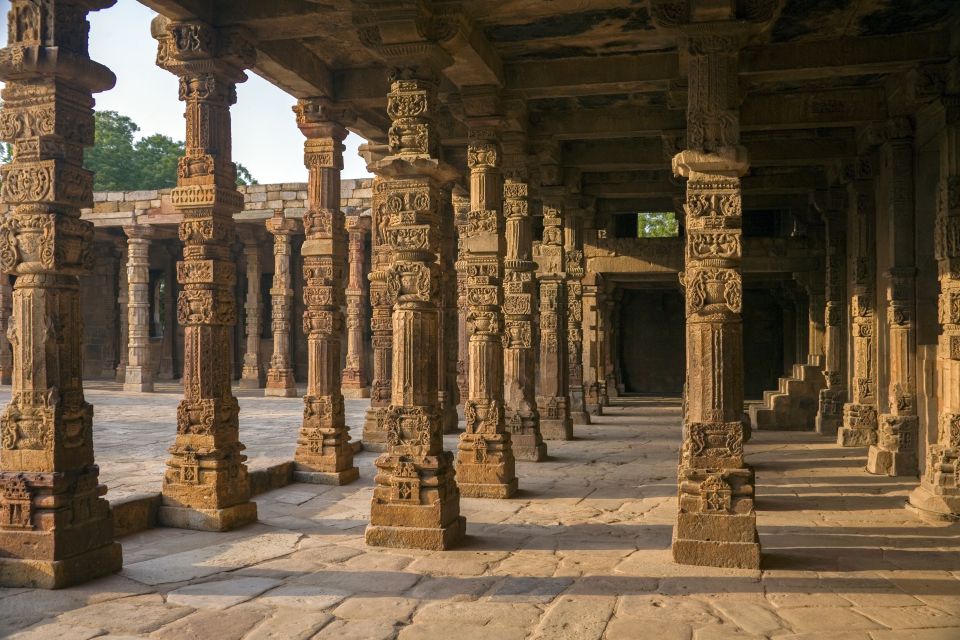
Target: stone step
x=793, y=404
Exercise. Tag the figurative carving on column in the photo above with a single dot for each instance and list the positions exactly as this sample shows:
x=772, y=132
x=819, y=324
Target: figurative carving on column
x=416, y=502
x=323, y=454
x=860, y=414
x=56, y=528
x=485, y=463
x=280, y=378
x=252, y=376
x=356, y=382
x=139, y=368
x=552, y=403
x=716, y=523
x=206, y=484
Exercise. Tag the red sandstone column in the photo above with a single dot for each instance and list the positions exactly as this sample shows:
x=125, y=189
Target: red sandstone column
x=138, y=374
x=252, y=376
x=832, y=398
x=206, y=484
x=280, y=379
x=6, y=308
x=461, y=210
x=56, y=529
x=356, y=382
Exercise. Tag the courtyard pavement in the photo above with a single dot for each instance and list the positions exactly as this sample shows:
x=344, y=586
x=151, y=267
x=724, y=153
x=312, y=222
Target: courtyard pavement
x=582, y=553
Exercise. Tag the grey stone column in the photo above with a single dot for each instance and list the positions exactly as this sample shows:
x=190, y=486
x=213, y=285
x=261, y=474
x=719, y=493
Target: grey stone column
x=253, y=374
x=139, y=370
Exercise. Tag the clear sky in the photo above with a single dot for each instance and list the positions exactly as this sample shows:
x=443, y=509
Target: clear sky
x=265, y=136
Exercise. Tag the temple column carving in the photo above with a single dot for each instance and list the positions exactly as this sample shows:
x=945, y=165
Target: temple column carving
x=716, y=523
x=448, y=392
x=6, y=309
x=520, y=307
x=938, y=496
x=416, y=502
x=574, y=269
x=252, y=375
x=485, y=462
x=206, y=485
x=461, y=210
x=860, y=413
x=324, y=454
x=280, y=379
x=56, y=528
x=138, y=374
x=591, y=347
x=123, y=299
x=834, y=395
x=895, y=451
x=356, y=380
x=552, y=400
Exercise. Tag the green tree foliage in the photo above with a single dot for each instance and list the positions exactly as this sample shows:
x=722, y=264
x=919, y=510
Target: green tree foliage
x=122, y=163
x=656, y=224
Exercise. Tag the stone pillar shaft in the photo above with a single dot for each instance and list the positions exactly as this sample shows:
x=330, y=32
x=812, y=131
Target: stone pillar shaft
x=860, y=413
x=485, y=463
x=552, y=399
x=323, y=454
x=381, y=324
x=461, y=210
x=716, y=523
x=592, y=300
x=416, y=502
x=519, y=307
x=895, y=452
x=123, y=298
x=280, y=378
x=6, y=308
x=574, y=268
x=938, y=496
x=139, y=369
x=252, y=376
x=832, y=398
x=206, y=484
x=447, y=389
x=56, y=528
x=356, y=380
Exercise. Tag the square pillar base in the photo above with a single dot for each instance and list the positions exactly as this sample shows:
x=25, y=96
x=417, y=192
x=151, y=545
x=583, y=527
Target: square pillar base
x=932, y=507
x=355, y=392
x=338, y=478
x=249, y=383
x=280, y=392
x=707, y=553
x=528, y=452
x=374, y=437
x=849, y=437
x=717, y=540
x=882, y=462
x=227, y=519
x=56, y=574
x=477, y=490
x=556, y=429
x=439, y=539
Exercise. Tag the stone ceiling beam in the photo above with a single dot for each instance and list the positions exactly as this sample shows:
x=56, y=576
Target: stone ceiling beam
x=570, y=77
x=182, y=9
x=836, y=107
x=294, y=69
x=816, y=59
x=597, y=124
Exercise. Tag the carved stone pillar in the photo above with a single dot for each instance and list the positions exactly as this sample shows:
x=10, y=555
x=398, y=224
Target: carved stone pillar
x=381, y=324
x=895, y=452
x=252, y=376
x=519, y=307
x=280, y=379
x=206, y=484
x=56, y=528
x=716, y=523
x=324, y=454
x=6, y=308
x=448, y=393
x=139, y=370
x=552, y=401
x=591, y=347
x=416, y=502
x=860, y=414
x=573, y=255
x=165, y=368
x=938, y=496
x=485, y=463
x=611, y=346
x=813, y=286
x=461, y=209
x=356, y=382
x=123, y=298
x=832, y=398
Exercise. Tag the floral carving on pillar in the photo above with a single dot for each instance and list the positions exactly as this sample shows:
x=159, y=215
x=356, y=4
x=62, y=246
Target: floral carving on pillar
x=206, y=484
x=716, y=523
x=323, y=454
x=56, y=528
x=938, y=496
x=280, y=378
x=485, y=463
x=356, y=380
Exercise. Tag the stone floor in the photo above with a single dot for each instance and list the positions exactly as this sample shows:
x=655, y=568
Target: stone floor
x=583, y=552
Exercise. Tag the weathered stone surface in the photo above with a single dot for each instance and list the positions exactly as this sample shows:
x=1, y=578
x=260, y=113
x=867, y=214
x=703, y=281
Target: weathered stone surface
x=290, y=624
x=203, y=625
x=220, y=594
x=139, y=614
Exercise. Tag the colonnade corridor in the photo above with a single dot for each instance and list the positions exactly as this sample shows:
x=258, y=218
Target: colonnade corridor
x=582, y=551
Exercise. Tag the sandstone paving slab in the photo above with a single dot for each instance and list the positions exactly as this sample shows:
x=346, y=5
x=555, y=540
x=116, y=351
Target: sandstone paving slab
x=655, y=606
x=357, y=630
x=922, y=617
x=825, y=619
x=134, y=615
x=576, y=618
x=633, y=628
x=453, y=589
x=917, y=634
x=479, y=612
x=28, y=607
x=214, y=559
x=340, y=580
x=58, y=630
x=723, y=632
x=220, y=594
x=289, y=624
x=306, y=597
x=752, y=618
x=388, y=608
x=435, y=631
x=208, y=624
x=536, y=590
